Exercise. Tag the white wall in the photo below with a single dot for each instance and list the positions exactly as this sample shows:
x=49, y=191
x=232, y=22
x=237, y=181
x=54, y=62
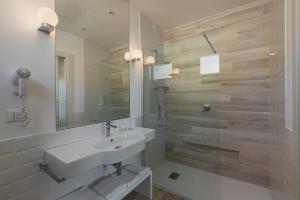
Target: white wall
x=136, y=73
x=297, y=24
x=21, y=45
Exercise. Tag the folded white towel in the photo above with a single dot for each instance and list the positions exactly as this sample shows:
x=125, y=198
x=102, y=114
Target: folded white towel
x=111, y=187
x=139, y=170
x=130, y=178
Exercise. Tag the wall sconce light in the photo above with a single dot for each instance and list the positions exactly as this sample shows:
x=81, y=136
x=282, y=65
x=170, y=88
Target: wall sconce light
x=137, y=55
x=127, y=56
x=48, y=19
x=150, y=60
x=175, y=72
x=133, y=56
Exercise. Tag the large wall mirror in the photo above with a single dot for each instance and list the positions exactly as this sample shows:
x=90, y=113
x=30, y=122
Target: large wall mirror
x=92, y=76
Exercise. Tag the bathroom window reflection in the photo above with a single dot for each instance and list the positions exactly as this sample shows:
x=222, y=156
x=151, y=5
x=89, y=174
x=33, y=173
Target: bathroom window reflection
x=162, y=71
x=210, y=64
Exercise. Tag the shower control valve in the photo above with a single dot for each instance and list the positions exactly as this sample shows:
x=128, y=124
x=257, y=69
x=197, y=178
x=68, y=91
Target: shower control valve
x=205, y=108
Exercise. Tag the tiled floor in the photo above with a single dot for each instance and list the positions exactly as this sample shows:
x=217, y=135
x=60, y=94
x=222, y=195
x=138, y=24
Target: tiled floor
x=158, y=194
x=200, y=185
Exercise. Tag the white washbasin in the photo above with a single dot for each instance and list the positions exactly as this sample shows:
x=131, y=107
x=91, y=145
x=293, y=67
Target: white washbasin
x=116, y=149
x=70, y=160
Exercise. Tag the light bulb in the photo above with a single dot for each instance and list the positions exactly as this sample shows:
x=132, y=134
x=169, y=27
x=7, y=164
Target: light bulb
x=127, y=56
x=150, y=60
x=47, y=15
x=48, y=19
x=176, y=71
x=137, y=54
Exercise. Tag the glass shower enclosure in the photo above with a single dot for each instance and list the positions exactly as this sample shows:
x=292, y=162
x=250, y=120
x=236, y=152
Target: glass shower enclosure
x=207, y=95
x=181, y=102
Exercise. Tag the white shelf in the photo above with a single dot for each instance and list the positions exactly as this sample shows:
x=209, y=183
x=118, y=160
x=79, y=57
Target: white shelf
x=117, y=187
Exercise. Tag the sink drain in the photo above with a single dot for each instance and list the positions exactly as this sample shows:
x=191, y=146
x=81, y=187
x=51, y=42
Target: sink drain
x=118, y=147
x=174, y=176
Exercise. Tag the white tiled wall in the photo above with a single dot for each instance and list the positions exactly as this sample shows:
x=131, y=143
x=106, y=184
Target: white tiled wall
x=19, y=158
x=20, y=176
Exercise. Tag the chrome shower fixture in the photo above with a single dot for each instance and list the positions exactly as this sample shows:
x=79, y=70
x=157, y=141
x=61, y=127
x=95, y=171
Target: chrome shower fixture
x=209, y=43
x=160, y=120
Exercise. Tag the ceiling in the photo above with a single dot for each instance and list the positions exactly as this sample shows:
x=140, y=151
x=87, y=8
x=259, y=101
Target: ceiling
x=90, y=19
x=168, y=14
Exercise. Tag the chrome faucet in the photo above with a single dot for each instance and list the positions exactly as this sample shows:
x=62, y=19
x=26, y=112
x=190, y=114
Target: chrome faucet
x=108, y=126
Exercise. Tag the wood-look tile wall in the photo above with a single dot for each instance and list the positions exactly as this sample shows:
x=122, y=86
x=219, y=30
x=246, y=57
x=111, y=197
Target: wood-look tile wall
x=233, y=138
x=283, y=171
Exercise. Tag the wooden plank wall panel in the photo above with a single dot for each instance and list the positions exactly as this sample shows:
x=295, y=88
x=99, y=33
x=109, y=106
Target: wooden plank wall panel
x=284, y=142
x=233, y=138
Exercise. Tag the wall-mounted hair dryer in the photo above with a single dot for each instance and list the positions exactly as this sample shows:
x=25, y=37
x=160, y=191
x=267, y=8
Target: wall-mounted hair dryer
x=20, y=79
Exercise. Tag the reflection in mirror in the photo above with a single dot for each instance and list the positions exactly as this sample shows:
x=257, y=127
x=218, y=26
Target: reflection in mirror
x=92, y=76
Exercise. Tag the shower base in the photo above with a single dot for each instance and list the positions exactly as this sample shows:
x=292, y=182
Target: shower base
x=197, y=184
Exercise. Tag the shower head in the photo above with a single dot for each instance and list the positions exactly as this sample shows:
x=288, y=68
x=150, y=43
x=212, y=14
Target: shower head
x=209, y=43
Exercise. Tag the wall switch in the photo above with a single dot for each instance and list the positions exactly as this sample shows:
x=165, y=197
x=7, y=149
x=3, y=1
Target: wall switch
x=13, y=115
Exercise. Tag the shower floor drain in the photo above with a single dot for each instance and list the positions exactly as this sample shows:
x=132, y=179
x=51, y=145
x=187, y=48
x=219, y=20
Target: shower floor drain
x=174, y=176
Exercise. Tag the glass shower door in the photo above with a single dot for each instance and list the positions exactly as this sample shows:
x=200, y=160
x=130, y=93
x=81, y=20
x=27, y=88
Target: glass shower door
x=181, y=101
x=208, y=97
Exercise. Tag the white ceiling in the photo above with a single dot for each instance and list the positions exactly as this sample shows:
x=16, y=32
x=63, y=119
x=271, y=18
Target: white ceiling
x=171, y=13
x=112, y=30
x=107, y=30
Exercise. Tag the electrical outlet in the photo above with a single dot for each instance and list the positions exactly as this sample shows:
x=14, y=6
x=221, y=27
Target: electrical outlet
x=13, y=115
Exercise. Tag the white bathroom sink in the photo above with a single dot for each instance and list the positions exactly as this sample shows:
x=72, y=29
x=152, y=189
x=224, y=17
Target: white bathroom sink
x=70, y=160
x=116, y=149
